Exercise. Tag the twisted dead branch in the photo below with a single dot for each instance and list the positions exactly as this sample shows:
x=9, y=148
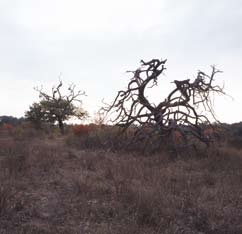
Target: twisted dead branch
x=182, y=110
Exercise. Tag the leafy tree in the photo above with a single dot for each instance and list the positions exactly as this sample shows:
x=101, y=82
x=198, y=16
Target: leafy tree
x=56, y=107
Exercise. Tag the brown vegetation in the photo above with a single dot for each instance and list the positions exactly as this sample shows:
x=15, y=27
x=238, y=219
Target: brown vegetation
x=58, y=184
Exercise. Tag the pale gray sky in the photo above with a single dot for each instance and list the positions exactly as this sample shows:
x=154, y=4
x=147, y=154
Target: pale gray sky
x=92, y=43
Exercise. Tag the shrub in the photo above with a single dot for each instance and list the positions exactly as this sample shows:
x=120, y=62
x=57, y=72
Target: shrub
x=7, y=127
x=81, y=130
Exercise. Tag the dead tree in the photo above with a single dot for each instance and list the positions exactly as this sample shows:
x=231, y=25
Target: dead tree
x=182, y=109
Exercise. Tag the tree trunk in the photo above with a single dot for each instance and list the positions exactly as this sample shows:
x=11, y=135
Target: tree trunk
x=61, y=126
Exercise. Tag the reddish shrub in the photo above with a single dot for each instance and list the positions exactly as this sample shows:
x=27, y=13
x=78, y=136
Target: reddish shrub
x=8, y=127
x=93, y=127
x=81, y=130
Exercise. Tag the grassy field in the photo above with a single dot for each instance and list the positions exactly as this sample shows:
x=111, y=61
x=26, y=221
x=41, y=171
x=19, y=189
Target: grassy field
x=48, y=186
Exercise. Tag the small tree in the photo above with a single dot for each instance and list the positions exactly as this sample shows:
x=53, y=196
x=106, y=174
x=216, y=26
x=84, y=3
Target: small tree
x=180, y=111
x=57, y=107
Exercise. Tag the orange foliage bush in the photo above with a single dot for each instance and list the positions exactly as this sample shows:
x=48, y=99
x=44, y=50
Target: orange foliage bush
x=8, y=127
x=81, y=130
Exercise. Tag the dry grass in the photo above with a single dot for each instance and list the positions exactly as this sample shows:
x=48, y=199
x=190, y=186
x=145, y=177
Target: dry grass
x=49, y=187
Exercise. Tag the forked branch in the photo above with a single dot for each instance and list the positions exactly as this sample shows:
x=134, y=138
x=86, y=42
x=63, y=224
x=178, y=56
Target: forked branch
x=181, y=110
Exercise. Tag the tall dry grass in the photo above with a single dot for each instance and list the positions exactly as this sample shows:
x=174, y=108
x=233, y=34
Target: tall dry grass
x=48, y=186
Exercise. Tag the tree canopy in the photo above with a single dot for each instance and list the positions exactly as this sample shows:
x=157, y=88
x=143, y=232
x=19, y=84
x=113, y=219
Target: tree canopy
x=56, y=107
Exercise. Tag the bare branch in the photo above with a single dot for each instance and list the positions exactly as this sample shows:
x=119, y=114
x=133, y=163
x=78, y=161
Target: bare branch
x=178, y=111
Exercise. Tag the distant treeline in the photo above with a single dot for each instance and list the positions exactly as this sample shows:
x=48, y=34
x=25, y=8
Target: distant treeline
x=235, y=128
x=232, y=132
x=4, y=119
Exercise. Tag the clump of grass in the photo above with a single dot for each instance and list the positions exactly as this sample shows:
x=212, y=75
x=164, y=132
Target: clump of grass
x=15, y=159
x=9, y=202
x=5, y=199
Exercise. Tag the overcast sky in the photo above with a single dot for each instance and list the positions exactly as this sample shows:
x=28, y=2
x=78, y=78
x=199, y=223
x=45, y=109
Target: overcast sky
x=92, y=43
